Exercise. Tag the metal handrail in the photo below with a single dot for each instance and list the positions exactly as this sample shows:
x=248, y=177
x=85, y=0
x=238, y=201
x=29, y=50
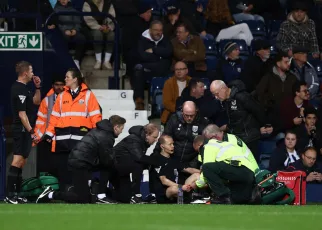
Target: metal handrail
x=116, y=37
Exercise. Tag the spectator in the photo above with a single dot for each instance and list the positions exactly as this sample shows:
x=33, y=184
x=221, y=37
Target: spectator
x=189, y=49
x=292, y=108
x=101, y=28
x=277, y=84
x=183, y=127
x=256, y=66
x=70, y=26
x=309, y=165
x=154, y=58
x=128, y=156
x=308, y=134
x=173, y=88
x=207, y=105
x=126, y=11
x=284, y=155
x=230, y=66
x=242, y=11
x=175, y=18
x=304, y=71
x=246, y=118
x=298, y=30
x=221, y=25
x=131, y=34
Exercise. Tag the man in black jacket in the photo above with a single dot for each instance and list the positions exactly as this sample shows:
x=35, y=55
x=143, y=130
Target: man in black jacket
x=183, y=127
x=129, y=157
x=246, y=118
x=93, y=153
x=154, y=60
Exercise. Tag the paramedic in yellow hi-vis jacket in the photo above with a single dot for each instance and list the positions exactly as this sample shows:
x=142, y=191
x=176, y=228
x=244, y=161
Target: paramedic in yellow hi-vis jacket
x=228, y=167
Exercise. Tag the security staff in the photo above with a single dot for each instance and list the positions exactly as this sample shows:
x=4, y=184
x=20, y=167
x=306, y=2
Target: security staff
x=226, y=158
x=75, y=113
x=22, y=102
x=43, y=117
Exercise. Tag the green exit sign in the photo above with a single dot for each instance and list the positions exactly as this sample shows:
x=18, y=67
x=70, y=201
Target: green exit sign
x=21, y=41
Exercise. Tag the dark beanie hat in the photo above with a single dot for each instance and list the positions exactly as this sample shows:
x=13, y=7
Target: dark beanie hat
x=300, y=49
x=300, y=5
x=58, y=78
x=261, y=44
x=144, y=6
x=172, y=8
x=229, y=47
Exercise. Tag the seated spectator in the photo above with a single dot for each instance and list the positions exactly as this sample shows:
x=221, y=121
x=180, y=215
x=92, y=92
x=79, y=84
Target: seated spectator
x=70, y=26
x=101, y=28
x=189, y=49
x=308, y=135
x=246, y=118
x=230, y=66
x=221, y=24
x=242, y=11
x=304, y=71
x=277, y=84
x=154, y=58
x=183, y=126
x=173, y=88
x=164, y=174
x=284, y=155
x=308, y=164
x=298, y=30
x=256, y=66
x=173, y=18
x=292, y=108
x=207, y=105
x=132, y=31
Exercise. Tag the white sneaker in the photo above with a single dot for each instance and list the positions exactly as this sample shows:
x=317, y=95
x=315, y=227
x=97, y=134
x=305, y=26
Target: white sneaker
x=107, y=65
x=97, y=65
x=44, y=194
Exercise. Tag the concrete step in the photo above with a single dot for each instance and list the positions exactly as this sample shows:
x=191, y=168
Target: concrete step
x=128, y=115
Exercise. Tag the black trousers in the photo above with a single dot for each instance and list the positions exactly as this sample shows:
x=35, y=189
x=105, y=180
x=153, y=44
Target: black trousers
x=240, y=181
x=124, y=187
x=253, y=147
x=80, y=192
x=43, y=157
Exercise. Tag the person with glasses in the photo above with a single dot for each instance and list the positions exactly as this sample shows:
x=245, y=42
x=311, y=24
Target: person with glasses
x=308, y=163
x=246, y=117
x=183, y=126
x=172, y=89
x=292, y=108
x=309, y=135
x=43, y=117
x=304, y=71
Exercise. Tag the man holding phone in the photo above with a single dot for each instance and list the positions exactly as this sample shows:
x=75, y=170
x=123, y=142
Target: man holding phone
x=22, y=102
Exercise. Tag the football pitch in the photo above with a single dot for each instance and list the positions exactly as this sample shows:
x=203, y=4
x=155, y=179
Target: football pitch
x=158, y=217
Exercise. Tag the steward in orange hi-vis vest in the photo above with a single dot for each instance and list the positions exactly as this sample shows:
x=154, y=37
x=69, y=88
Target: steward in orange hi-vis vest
x=74, y=114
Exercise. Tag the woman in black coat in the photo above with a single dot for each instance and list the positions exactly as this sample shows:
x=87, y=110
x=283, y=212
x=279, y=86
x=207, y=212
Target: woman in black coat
x=283, y=156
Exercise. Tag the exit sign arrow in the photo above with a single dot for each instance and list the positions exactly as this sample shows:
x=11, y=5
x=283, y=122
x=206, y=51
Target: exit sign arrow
x=33, y=41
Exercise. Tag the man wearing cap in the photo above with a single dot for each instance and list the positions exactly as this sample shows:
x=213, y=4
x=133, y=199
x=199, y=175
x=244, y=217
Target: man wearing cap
x=297, y=30
x=257, y=65
x=304, y=71
x=230, y=66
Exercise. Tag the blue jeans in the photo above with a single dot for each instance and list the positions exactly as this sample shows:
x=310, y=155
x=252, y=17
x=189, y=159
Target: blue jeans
x=242, y=16
x=207, y=37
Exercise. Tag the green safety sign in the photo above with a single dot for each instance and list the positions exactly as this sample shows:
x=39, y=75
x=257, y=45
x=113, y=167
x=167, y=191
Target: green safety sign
x=21, y=41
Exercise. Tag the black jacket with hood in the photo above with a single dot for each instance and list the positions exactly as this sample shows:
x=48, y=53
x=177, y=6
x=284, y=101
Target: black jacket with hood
x=133, y=147
x=245, y=115
x=95, y=150
x=183, y=135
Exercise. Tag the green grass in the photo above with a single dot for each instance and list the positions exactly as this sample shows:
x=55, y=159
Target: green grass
x=158, y=217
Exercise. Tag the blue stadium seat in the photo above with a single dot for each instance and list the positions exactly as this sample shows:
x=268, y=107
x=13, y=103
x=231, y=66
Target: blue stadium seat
x=206, y=82
x=257, y=28
x=211, y=63
x=244, y=51
x=265, y=149
x=157, y=83
x=274, y=28
x=78, y=4
x=156, y=87
x=211, y=48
